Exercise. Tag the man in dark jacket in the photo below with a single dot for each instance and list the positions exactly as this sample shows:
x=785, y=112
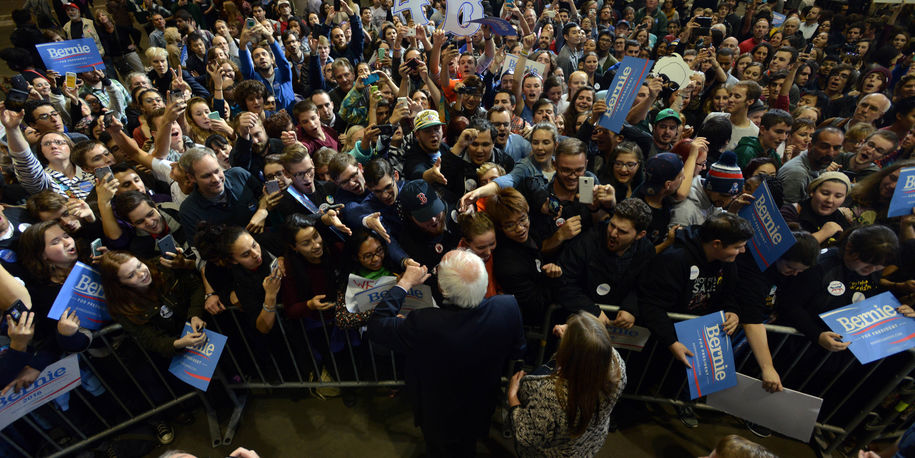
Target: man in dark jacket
x=696, y=276
x=475, y=146
x=456, y=354
x=602, y=265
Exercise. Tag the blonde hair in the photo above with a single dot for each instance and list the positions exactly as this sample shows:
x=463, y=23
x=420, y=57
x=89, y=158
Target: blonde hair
x=486, y=167
x=155, y=52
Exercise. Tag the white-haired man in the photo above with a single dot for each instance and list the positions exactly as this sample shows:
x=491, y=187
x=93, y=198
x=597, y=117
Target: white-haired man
x=456, y=353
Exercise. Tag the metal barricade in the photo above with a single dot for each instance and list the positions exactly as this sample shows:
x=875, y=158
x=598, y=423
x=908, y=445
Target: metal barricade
x=870, y=385
x=315, y=353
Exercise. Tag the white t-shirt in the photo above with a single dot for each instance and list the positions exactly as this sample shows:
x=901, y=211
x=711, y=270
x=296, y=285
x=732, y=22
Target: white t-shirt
x=739, y=132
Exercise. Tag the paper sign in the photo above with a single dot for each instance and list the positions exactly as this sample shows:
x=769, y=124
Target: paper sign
x=674, y=68
x=363, y=294
x=904, y=196
x=713, y=358
x=53, y=381
x=622, y=91
x=777, y=19
x=873, y=327
x=459, y=14
x=771, y=235
x=71, y=55
x=498, y=26
x=415, y=7
x=195, y=366
x=82, y=292
x=788, y=412
x=633, y=338
x=420, y=297
x=511, y=61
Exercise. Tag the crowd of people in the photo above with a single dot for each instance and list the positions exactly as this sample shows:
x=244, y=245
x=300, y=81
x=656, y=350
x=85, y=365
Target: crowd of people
x=252, y=155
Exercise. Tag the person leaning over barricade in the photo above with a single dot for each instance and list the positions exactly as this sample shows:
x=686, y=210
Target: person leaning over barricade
x=603, y=265
x=696, y=275
x=757, y=293
x=152, y=303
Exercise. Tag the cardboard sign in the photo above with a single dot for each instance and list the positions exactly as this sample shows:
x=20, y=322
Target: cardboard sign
x=54, y=380
x=622, y=91
x=195, y=366
x=674, y=68
x=713, y=358
x=71, y=55
x=82, y=292
x=873, y=327
x=788, y=412
x=904, y=196
x=633, y=338
x=498, y=26
x=777, y=19
x=530, y=66
x=415, y=7
x=771, y=235
x=459, y=15
x=363, y=294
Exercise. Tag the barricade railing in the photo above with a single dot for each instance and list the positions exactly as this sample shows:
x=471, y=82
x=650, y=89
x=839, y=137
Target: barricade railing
x=838, y=378
x=313, y=353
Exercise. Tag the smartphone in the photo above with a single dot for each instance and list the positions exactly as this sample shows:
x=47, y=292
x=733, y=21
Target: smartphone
x=403, y=101
x=413, y=63
x=20, y=83
x=107, y=119
x=382, y=53
x=274, y=264
x=214, y=115
x=551, y=14
x=386, y=129
x=336, y=5
x=705, y=25
x=167, y=245
x=586, y=189
x=95, y=245
x=103, y=172
x=250, y=22
x=16, y=310
x=174, y=95
x=272, y=186
x=15, y=99
x=373, y=78
x=71, y=80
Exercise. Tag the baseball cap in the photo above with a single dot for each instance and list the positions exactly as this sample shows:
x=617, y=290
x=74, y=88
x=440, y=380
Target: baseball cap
x=659, y=169
x=71, y=5
x=667, y=113
x=418, y=198
x=426, y=118
x=282, y=2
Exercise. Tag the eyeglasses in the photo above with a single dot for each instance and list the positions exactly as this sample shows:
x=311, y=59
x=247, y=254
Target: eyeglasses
x=384, y=190
x=46, y=116
x=369, y=257
x=307, y=173
x=274, y=176
x=54, y=142
x=628, y=165
x=570, y=172
x=521, y=223
x=870, y=144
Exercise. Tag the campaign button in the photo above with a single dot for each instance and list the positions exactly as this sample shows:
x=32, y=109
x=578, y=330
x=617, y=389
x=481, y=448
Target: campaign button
x=603, y=289
x=857, y=297
x=693, y=272
x=836, y=288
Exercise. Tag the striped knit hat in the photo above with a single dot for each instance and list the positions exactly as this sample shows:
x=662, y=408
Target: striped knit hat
x=725, y=176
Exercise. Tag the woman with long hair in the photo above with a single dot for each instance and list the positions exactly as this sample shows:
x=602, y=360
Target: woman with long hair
x=567, y=412
x=201, y=125
x=367, y=256
x=623, y=169
x=870, y=198
x=580, y=103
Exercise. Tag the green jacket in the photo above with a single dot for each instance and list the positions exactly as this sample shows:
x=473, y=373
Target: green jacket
x=749, y=148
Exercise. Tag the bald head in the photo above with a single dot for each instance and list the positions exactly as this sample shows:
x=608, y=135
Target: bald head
x=462, y=278
x=871, y=107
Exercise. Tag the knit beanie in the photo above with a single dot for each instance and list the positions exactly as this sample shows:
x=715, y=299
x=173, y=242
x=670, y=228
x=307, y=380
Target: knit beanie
x=725, y=176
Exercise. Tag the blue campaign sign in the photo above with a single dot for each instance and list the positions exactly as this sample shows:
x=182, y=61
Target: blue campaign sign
x=195, y=366
x=904, y=196
x=873, y=327
x=498, y=26
x=771, y=235
x=713, y=358
x=71, y=55
x=622, y=91
x=83, y=293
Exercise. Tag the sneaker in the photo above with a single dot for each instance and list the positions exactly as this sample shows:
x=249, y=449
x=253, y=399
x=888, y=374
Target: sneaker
x=759, y=430
x=688, y=416
x=328, y=391
x=164, y=432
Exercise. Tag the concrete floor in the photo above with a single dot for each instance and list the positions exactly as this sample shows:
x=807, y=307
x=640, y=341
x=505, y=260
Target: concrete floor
x=286, y=424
